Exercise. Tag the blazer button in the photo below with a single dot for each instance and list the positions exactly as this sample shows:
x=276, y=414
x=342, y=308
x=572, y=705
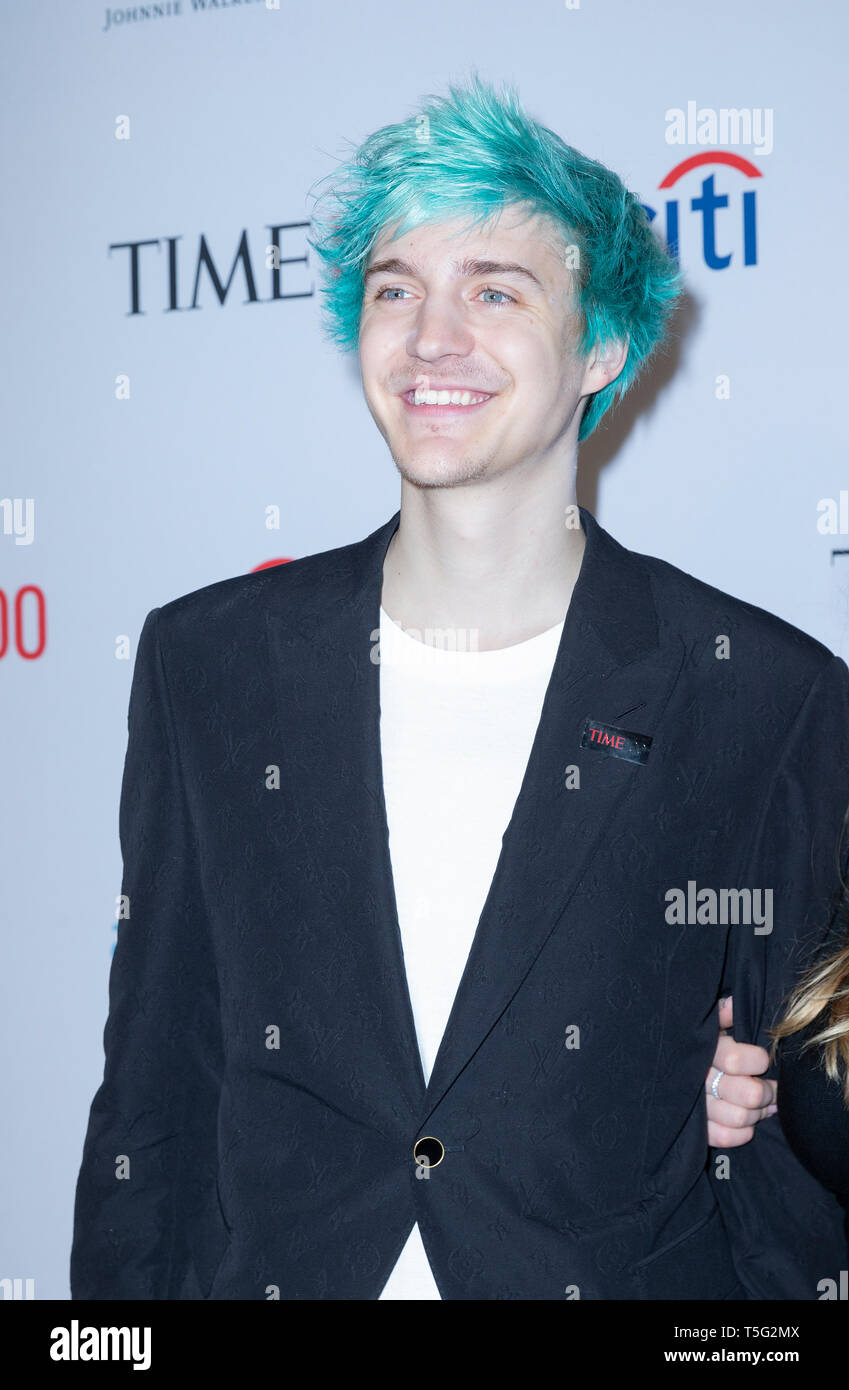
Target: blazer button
x=429, y=1148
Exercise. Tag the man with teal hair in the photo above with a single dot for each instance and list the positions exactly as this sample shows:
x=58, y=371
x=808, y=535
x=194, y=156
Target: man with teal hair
x=503, y=291
x=425, y=1024
x=469, y=157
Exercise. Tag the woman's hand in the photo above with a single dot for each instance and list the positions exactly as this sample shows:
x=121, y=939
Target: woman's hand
x=743, y=1099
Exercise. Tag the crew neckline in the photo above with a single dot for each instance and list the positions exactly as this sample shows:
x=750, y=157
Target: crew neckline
x=533, y=653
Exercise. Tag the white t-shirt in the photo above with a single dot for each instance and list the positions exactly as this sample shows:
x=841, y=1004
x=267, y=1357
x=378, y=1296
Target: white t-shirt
x=456, y=731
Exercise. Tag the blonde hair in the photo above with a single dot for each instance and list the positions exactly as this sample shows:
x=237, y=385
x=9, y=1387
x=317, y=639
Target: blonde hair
x=824, y=990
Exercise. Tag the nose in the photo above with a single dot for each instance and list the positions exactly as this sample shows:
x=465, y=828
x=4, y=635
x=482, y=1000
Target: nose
x=439, y=329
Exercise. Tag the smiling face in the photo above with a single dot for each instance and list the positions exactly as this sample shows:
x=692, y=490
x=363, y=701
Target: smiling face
x=487, y=321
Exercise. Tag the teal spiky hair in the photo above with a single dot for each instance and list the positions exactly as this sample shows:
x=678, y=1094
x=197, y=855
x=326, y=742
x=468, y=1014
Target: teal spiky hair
x=475, y=152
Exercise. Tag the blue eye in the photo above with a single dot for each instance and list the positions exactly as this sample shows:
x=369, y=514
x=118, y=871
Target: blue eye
x=506, y=298
x=390, y=291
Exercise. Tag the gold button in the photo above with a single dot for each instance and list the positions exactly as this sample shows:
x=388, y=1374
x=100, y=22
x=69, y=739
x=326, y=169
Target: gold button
x=430, y=1149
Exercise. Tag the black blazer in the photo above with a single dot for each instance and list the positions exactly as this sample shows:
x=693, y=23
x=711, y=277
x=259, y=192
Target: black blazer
x=262, y=1094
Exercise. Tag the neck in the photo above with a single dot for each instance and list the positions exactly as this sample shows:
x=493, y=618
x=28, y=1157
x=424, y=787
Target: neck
x=476, y=560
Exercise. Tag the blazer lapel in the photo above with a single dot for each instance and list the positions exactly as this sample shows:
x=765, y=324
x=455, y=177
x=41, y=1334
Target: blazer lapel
x=609, y=666
x=323, y=632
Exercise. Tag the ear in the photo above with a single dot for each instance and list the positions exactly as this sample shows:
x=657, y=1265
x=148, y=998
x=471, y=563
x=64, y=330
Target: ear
x=604, y=365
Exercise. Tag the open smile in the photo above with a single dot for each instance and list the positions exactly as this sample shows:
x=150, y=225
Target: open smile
x=447, y=400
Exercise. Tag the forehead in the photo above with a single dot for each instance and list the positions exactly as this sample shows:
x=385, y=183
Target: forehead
x=518, y=234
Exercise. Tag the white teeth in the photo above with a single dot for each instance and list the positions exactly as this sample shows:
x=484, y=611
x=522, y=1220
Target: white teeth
x=422, y=397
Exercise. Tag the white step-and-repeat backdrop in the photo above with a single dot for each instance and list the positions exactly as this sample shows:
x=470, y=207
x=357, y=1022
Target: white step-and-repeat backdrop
x=164, y=392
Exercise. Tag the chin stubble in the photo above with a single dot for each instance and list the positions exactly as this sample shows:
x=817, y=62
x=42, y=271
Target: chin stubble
x=449, y=472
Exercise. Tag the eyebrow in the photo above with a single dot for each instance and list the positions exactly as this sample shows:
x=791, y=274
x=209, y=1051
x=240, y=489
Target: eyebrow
x=468, y=269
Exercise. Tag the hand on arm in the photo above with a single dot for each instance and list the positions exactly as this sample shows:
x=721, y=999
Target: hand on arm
x=743, y=1099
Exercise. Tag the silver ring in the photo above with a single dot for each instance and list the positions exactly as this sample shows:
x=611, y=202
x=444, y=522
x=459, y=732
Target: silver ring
x=714, y=1085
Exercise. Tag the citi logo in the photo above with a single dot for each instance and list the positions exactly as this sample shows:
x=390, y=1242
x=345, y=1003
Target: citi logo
x=728, y=221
